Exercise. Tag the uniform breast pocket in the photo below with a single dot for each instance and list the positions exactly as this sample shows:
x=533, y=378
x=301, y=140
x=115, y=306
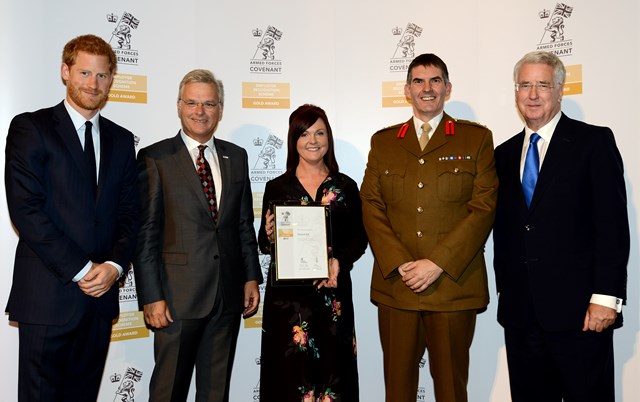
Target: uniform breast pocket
x=392, y=184
x=455, y=180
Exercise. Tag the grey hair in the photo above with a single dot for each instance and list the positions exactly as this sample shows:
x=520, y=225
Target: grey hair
x=205, y=77
x=540, y=57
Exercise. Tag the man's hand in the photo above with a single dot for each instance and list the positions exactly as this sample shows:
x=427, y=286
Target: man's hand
x=99, y=279
x=419, y=275
x=157, y=314
x=598, y=318
x=251, y=298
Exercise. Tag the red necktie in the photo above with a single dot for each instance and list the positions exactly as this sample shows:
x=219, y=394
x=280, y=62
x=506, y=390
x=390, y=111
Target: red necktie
x=204, y=172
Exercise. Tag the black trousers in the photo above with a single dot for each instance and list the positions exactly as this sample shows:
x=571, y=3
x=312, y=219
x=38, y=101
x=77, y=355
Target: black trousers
x=573, y=366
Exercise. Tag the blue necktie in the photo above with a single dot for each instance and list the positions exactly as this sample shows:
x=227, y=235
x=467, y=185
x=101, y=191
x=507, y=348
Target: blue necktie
x=531, y=168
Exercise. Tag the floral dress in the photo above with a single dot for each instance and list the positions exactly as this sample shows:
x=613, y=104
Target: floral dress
x=308, y=350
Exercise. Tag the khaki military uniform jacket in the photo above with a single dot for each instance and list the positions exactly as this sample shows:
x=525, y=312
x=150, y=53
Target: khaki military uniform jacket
x=437, y=204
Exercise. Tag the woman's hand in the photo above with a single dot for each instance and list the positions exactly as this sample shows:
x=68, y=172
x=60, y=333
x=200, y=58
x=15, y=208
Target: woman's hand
x=332, y=281
x=269, y=225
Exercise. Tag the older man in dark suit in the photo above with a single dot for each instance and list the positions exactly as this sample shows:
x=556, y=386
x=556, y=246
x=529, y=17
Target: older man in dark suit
x=72, y=194
x=197, y=264
x=561, y=241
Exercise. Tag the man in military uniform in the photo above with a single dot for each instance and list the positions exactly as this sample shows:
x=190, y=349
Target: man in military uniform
x=428, y=198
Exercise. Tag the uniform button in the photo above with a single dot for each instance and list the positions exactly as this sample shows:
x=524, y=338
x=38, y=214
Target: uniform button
x=386, y=171
x=420, y=210
x=456, y=170
x=419, y=233
x=529, y=228
x=420, y=185
x=421, y=161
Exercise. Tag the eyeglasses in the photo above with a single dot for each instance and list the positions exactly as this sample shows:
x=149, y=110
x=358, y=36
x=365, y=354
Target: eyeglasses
x=191, y=105
x=541, y=86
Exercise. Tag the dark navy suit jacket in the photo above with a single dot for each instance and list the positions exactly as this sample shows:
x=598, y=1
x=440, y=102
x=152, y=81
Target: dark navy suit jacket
x=61, y=224
x=574, y=239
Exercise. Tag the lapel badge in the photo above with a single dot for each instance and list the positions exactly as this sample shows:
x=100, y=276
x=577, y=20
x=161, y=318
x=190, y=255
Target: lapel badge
x=403, y=130
x=449, y=128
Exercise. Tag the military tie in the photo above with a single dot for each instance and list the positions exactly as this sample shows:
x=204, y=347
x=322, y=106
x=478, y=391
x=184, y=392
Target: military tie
x=206, y=177
x=531, y=168
x=424, y=136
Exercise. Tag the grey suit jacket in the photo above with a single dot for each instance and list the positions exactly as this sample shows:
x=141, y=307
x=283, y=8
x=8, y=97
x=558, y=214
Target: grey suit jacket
x=183, y=257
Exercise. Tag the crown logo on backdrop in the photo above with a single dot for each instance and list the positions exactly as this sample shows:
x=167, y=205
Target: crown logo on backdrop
x=258, y=141
x=396, y=31
x=544, y=14
x=115, y=377
x=257, y=32
x=112, y=17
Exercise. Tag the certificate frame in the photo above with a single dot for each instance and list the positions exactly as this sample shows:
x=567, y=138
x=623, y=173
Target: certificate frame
x=302, y=241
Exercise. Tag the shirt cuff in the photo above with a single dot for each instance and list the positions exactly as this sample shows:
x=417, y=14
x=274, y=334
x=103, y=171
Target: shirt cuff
x=87, y=267
x=607, y=301
x=82, y=272
x=116, y=266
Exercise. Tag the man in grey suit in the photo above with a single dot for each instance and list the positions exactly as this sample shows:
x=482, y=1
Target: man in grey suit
x=196, y=266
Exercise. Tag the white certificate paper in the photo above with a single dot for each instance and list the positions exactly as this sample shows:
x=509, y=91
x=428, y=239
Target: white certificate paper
x=301, y=250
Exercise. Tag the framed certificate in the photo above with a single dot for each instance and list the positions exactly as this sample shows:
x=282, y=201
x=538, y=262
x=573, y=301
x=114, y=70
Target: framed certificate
x=301, y=243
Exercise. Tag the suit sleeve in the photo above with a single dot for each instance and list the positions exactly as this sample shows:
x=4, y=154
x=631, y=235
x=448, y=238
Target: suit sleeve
x=610, y=218
x=455, y=251
x=26, y=162
x=246, y=229
x=128, y=215
x=148, y=263
x=376, y=222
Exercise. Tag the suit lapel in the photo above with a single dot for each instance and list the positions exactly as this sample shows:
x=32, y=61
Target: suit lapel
x=556, y=155
x=225, y=173
x=106, y=151
x=410, y=141
x=67, y=132
x=438, y=139
x=184, y=164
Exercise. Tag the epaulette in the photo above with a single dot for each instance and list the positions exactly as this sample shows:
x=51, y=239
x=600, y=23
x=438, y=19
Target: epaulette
x=469, y=123
x=393, y=127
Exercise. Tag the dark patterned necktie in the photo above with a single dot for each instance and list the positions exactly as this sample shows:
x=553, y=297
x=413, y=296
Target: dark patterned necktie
x=90, y=153
x=531, y=169
x=204, y=172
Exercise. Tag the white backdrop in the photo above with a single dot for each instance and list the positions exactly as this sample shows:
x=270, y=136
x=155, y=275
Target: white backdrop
x=345, y=57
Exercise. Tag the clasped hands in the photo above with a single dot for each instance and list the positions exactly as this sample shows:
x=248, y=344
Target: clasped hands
x=419, y=275
x=99, y=279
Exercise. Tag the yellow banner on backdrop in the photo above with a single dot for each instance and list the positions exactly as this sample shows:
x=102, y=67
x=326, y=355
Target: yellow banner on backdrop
x=266, y=95
x=130, y=325
x=129, y=88
x=393, y=94
x=257, y=204
x=255, y=321
x=573, y=82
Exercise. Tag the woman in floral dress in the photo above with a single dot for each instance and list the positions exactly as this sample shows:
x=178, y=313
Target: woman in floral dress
x=308, y=341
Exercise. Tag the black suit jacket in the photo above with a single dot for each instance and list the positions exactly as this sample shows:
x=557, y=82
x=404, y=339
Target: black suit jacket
x=61, y=224
x=574, y=239
x=183, y=257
